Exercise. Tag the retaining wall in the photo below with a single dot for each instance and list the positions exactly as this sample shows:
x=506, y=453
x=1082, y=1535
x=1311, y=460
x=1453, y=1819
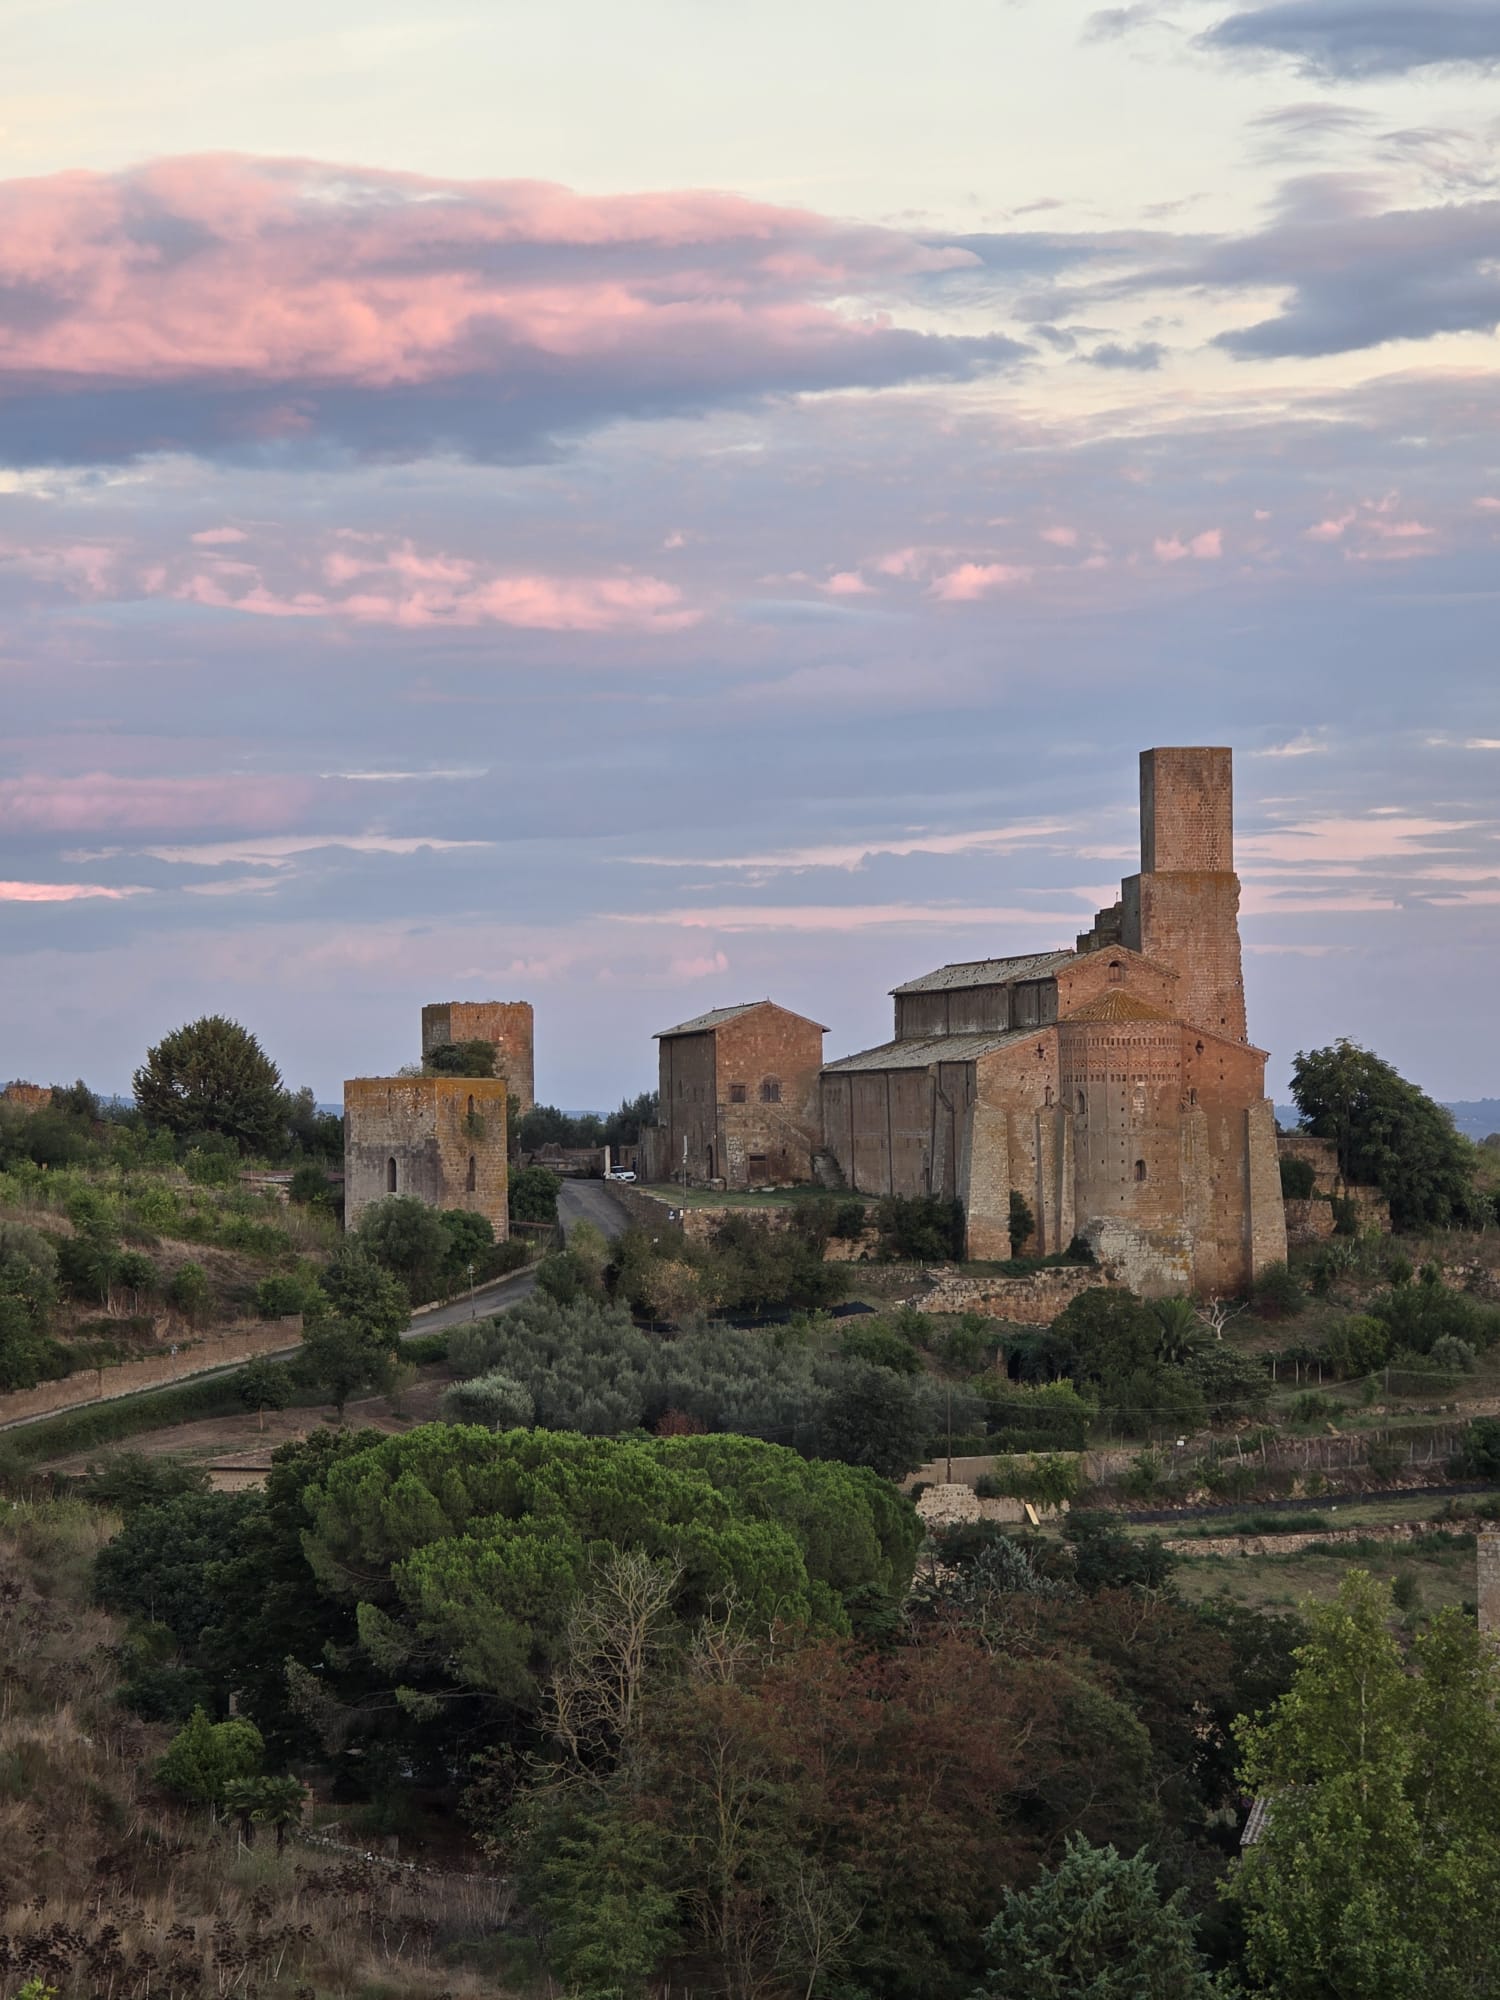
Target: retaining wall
x=243, y=1340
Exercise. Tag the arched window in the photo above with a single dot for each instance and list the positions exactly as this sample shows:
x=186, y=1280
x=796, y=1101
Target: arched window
x=770, y=1090
x=1140, y=1170
x=1083, y=1104
x=470, y=1181
x=390, y=1175
x=1116, y=972
x=1047, y=1097
x=471, y=1104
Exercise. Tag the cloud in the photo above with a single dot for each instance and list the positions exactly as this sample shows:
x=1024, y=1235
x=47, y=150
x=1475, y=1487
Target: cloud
x=274, y=306
x=854, y=854
x=1144, y=356
x=278, y=851
x=217, y=537
x=972, y=580
x=1304, y=745
x=842, y=917
x=100, y=802
x=1346, y=40
x=62, y=892
x=1205, y=547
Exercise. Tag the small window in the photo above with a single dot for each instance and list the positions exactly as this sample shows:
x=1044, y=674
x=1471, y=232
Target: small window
x=470, y=1179
x=390, y=1175
x=1140, y=1170
x=770, y=1090
x=1083, y=1104
x=1047, y=1097
x=757, y=1163
x=1116, y=972
x=471, y=1104
x=738, y=1093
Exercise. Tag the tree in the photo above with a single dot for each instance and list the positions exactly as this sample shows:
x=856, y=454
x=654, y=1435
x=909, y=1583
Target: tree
x=533, y=1195
x=204, y=1759
x=264, y=1385
x=873, y=1419
x=343, y=1357
x=275, y=1802
x=1378, y=1867
x=28, y=1293
x=358, y=1289
x=1389, y=1134
x=310, y=1186
x=1096, y=1927
x=471, y=1238
x=407, y=1238
x=189, y=1292
x=1022, y=1223
x=213, y=1076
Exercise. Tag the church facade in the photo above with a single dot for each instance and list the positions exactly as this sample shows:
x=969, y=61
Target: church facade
x=1112, y=1085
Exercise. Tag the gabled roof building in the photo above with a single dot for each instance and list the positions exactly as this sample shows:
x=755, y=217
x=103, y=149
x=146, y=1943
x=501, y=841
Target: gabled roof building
x=1112, y=1085
x=738, y=1098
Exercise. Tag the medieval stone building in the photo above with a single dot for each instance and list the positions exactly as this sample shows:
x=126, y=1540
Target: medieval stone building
x=738, y=1098
x=1111, y=1085
x=440, y=1138
x=506, y=1023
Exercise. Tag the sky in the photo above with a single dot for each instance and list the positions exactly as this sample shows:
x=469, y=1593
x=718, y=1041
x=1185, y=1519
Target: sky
x=644, y=508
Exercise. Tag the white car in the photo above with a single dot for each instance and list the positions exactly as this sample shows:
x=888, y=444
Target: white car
x=620, y=1174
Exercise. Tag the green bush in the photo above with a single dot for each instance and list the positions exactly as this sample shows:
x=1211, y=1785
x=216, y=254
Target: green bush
x=920, y=1229
x=205, y=1758
x=280, y=1296
x=311, y=1186
x=1358, y=1345
x=189, y=1292
x=1298, y=1179
x=1275, y=1293
x=533, y=1195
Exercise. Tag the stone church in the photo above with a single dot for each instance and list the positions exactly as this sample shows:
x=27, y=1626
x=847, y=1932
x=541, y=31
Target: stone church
x=1112, y=1084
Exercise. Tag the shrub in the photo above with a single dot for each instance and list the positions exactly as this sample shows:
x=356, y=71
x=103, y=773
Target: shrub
x=920, y=1229
x=205, y=1758
x=280, y=1295
x=1022, y=1223
x=189, y=1292
x=533, y=1195
x=1454, y=1356
x=1050, y=1480
x=1275, y=1293
x=497, y=1401
x=1385, y=1458
x=310, y=1186
x=1358, y=1345
x=877, y=1342
x=1478, y=1453
x=1298, y=1179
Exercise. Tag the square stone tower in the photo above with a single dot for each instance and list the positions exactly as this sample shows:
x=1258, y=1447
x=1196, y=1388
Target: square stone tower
x=1183, y=909
x=506, y=1023
x=1488, y=1543
x=440, y=1138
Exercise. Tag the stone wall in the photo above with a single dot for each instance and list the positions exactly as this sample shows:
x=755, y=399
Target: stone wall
x=242, y=1341
x=439, y=1138
x=1308, y=1221
x=509, y=1024
x=1489, y=1579
x=1291, y=1545
x=1034, y=1300
x=768, y=1140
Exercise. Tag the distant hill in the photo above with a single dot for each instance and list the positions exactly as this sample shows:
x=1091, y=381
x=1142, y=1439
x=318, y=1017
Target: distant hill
x=1475, y=1117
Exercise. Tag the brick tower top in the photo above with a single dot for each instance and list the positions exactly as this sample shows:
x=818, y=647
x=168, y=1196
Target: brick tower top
x=1187, y=811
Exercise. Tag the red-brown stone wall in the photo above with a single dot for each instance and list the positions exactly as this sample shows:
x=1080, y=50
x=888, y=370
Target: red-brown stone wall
x=689, y=1106
x=509, y=1024
x=445, y=1134
x=764, y=1142
x=1097, y=973
x=1187, y=811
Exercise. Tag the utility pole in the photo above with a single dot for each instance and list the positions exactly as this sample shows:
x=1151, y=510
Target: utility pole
x=473, y=1310
x=950, y=1432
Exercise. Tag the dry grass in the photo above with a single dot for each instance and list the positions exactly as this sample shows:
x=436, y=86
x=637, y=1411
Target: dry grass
x=107, y=1889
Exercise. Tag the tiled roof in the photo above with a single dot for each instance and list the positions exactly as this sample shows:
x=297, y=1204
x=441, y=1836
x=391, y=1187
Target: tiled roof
x=1255, y=1825
x=921, y=1054
x=717, y=1016
x=1118, y=1007
x=987, y=972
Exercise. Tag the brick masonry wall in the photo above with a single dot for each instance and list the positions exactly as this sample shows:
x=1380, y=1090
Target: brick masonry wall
x=762, y=1143
x=241, y=1341
x=1034, y=1300
x=509, y=1024
x=1489, y=1579
x=426, y=1126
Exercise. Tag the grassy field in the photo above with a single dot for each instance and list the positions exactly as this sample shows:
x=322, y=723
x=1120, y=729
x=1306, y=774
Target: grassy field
x=1280, y=1583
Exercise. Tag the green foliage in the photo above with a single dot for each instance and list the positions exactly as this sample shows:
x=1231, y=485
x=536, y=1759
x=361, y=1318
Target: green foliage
x=130, y=1479
x=533, y=1195
x=156, y=1569
x=1110, y=1342
x=1298, y=1179
x=212, y=1076
x=872, y=1418
x=464, y=1547
x=1106, y=1558
x=1389, y=1134
x=310, y=1186
x=28, y=1293
x=461, y=1059
x=1049, y=1480
x=920, y=1228
x=406, y=1238
x=135, y=1273
x=189, y=1292
x=471, y=1238
x=345, y=1357
x=566, y=1277
x=1097, y=1926
x=875, y=1340
x=205, y=1759
x=1418, y=1316
x=1022, y=1223
x=1357, y=1345
x=1379, y=1865
x=281, y=1295
x=1478, y=1452
x=1275, y=1293
x=497, y=1401
x=600, y=1883
x=265, y=1385
x=360, y=1290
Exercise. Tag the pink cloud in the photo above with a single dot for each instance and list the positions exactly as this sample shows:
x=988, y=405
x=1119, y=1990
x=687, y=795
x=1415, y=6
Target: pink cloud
x=1061, y=538
x=61, y=892
x=100, y=803
x=212, y=537
x=973, y=580
x=847, y=583
x=1488, y=503
x=266, y=285
x=1205, y=547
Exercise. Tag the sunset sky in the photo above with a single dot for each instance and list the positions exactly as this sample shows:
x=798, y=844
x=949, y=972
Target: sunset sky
x=637, y=508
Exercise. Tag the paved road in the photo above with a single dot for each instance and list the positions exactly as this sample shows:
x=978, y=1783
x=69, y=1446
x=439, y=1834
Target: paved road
x=579, y=1201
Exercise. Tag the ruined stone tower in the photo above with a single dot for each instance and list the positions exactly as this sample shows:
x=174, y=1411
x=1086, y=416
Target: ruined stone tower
x=1488, y=1541
x=506, y=1023
x=1183, y=908
x=441, y=1139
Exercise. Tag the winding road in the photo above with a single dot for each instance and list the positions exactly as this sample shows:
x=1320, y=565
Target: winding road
x=578, y=1201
